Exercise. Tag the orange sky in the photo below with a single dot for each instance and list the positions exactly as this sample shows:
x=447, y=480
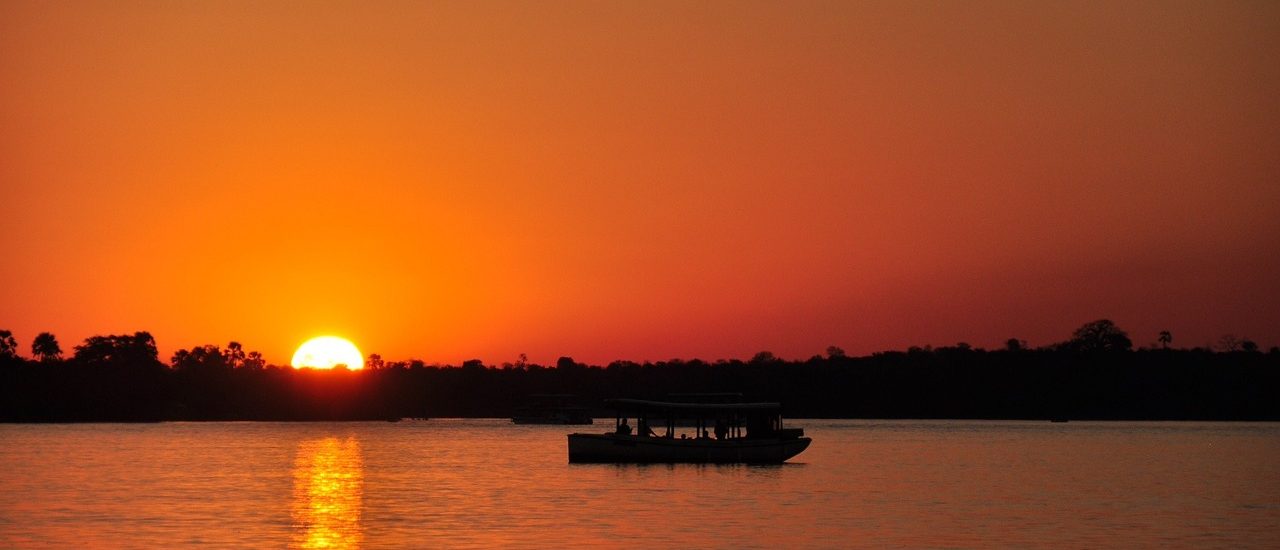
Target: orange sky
x=638, y=180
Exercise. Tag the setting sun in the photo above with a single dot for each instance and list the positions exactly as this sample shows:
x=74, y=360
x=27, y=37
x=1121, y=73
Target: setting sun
x=326, y=352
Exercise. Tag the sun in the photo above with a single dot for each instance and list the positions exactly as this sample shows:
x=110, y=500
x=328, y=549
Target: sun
x=326, y=352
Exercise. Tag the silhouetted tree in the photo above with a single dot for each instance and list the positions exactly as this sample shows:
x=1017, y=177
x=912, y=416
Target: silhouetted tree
x=473, y=364
x=1229, y=343
x=1014, y=344
x=1165, y=339
x=201, y=358
x=834, y=352
x=764, y=357
x=234, y=355
x=134, y=349
x=1248, y=345
x=1100, y=335
x=45, y=347
x=119, y=378
x=374, y=362
x=8, y=345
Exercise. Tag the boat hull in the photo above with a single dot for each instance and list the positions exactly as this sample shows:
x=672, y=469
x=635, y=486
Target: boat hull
x=615, y=448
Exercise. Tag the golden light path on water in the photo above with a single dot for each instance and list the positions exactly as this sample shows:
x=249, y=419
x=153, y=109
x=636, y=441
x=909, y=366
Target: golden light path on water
x=328, y=493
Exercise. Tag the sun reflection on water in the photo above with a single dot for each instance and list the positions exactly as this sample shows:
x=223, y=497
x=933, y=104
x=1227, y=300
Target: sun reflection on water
x=328, y=490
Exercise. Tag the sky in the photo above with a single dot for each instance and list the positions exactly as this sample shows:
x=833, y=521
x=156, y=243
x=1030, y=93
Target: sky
x=638, y=180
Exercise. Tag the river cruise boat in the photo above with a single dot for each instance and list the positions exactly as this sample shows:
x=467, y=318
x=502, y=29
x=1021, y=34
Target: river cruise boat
x=722, y=433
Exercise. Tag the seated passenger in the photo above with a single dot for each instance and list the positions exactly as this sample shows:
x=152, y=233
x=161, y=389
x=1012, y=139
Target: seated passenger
x=624, y=428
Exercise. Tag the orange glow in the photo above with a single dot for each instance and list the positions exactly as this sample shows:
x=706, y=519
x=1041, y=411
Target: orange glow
x=328, y=487
x=327, y=352
x=622, y=180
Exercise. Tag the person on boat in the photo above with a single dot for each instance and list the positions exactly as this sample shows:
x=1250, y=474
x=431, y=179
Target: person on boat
x=721, y=430
x=704, y=434
x=624, y=428
x=644, y=430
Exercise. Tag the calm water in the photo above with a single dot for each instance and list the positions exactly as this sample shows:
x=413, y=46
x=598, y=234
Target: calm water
x=487, y=483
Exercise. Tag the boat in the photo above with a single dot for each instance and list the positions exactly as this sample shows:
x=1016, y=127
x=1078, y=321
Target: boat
x=744, y=433
x=714, y=397
x=551, y=408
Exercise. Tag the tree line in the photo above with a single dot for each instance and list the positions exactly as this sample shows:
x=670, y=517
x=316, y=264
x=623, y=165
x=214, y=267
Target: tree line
x=1095, y=374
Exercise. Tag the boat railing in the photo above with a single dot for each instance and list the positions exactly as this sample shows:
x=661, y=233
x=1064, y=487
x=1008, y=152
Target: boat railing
x=730, y=421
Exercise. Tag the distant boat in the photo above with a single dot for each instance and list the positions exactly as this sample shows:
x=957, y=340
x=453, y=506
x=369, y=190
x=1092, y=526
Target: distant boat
x=747, y=433
x=552, y=408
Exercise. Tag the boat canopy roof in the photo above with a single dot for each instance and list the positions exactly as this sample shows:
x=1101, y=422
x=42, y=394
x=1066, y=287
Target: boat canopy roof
x=646, y=405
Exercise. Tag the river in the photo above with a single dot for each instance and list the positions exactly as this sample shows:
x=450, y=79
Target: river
x=450, y=483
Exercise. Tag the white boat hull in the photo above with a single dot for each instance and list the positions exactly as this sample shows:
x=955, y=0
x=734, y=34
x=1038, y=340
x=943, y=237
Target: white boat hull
x=632, y=448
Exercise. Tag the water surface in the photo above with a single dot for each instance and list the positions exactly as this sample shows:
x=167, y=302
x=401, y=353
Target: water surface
x=486, y=483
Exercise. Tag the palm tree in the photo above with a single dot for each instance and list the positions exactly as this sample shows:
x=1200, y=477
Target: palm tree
x=1165, y=339
x=45, y=347
x=8, y=346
